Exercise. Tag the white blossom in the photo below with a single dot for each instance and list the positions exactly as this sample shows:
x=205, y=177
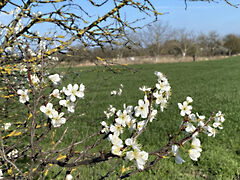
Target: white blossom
x=116, y=150
x=114, y=92
x=192, y=117
x=189, y=127
x=74, y=90
x=160, y=100
x=163, y=86
x=140, y=125
x=55, y=78
x=115, y=140
x=35, y=80
x=185, y=108
x=194, y=154
x=153, y=115
x=117, y=144
x=131, y=124
x=48, y=110
x=175, y=151
x=218, y=120
x=159, y=75
x=189, y=100
x=68, y=104
x=105, y=127
x=210, y=131
x=196, y=144
x=129, y=109
x=116, y=129
x=56, y=94
x=140, y=156
x=195, y=151
x=58, y=119
x=110, y=111
x=132, y=143
x=122, y=118
x=142, y=108
x=23, y=95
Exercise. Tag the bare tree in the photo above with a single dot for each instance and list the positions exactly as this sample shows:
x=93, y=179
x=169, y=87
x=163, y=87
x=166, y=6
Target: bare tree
x=154, y=36
x=232, y=43
x=182, y=41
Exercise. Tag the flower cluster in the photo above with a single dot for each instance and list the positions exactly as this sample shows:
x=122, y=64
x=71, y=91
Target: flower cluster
x=67, y=98
x=133, y=120
x=194, y=123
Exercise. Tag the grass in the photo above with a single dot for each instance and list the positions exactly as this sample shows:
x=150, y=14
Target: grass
x=213, y=85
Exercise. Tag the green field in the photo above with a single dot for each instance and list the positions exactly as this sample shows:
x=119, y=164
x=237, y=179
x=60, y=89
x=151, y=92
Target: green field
x=213, y=85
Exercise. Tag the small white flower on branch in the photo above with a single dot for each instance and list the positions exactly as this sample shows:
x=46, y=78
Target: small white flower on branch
x=153, y=115
x=185, y=108
x=163, y=86
x=210, y=131
x=219, y=119
x=132, y=143
x=23, y=95
x=68, y=104
x=195, y=151
x=115, y=140
x=189, y=127
x=55, y=78
x=114, y=92
x=74, y=90
x=159, y=75
x=140, y=156
x=116, y=129
x=131, y=124
x=56, y=94
x=160, y=100
x=58, y=119
x=192, y=117
x=48, y=110
x=116, y=150
x=117, y=144
x=122, y=118
x=194, y=154
x=140, y=125
x=129, y=109
x=142, y=108
x=110, y=111
x=189, y=100
x=35, y=80
x=175, y=151
x=105, y=127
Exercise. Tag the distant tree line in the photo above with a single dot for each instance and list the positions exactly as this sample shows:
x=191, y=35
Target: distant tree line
x=160, y=39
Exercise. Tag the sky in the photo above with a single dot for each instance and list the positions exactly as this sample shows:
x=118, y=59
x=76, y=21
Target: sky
x=198, y=17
